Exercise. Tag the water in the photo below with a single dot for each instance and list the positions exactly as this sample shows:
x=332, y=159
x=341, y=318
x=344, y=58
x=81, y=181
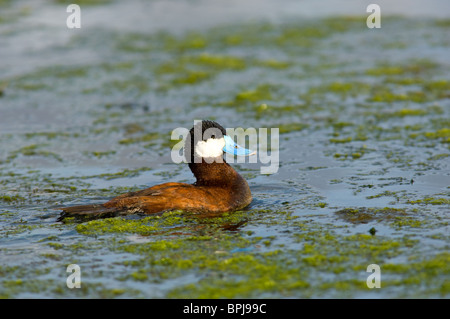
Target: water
x=364, y=120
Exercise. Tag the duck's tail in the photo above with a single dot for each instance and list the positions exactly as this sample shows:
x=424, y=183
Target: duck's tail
x=87, y=212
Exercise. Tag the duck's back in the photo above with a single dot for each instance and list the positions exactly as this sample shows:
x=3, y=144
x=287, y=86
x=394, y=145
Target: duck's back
x=171, y=196
x=187, y=197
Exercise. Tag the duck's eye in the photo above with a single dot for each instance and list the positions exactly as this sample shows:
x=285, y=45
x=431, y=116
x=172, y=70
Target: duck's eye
x=235, y=146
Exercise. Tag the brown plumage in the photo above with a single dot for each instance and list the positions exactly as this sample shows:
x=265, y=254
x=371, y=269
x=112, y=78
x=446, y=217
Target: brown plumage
x=218, y=188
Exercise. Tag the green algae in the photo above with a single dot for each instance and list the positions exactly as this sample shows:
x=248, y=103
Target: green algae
x=291, y=127
x=102, y=154
x=191, y=41
x=251, y=273
x=416, y=67
x=366, y=215
x=442, y=134
x=421, y=270
x=342, y=89
x=145, y=226
x=192, y=69
x=32, y=150
x=396, y=195
x=148, y=137
x=354, y=154
x=409, y=112
x=50, y=135
x=12, y=198
x=191, y=77
x=341, y=140
x=270, y=282
x=274, y=111
x=274, y=64
x=261, y=93
x=217, y=62
x=438, y=157
x=431, y=201
x=386, y=95
x=397, y=109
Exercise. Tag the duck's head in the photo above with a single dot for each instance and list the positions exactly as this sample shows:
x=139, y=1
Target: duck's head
x=207, y=141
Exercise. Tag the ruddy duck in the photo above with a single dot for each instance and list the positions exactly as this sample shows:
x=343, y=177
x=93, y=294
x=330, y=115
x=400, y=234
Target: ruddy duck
x=218, y=187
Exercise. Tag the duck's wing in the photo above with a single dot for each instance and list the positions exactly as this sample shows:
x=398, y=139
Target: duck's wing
x=171, y=196
x=159, y=198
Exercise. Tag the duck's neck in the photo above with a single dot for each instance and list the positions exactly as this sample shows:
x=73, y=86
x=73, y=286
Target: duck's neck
x=213, y=173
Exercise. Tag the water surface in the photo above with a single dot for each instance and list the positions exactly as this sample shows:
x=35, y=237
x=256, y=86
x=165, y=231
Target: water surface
x=364, y=148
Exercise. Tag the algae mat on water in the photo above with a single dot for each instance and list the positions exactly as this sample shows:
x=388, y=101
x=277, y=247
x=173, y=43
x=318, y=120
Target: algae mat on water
x=363, y=177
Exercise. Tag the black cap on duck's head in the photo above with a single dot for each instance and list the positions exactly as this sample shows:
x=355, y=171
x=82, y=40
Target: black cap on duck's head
x=205, y=141
x=204, y=148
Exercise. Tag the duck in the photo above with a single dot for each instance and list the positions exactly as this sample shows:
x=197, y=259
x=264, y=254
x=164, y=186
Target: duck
x=218, y=188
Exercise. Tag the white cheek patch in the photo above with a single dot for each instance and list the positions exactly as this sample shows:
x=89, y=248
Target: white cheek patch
x=213, y=147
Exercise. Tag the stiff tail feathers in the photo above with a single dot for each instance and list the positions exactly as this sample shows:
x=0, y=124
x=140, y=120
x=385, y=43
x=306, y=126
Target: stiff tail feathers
x=87, y=212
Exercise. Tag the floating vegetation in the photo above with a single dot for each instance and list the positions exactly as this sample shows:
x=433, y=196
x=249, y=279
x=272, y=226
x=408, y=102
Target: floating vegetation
x=363, y=159
x=366, y=215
